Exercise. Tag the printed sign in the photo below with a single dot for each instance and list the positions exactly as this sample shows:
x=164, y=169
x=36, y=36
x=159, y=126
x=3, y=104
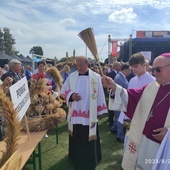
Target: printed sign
x=20, y=97
x=151, y=34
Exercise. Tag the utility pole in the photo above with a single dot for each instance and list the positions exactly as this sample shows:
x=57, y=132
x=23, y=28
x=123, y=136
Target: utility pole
x=33, y=64
x=130, y=45
x=109, y=48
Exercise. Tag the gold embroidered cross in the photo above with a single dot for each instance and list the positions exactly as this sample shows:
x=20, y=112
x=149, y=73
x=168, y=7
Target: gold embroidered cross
x=94, y=90
x=93, y=83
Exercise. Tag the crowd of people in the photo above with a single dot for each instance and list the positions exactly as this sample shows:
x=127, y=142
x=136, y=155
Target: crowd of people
x=133, y=91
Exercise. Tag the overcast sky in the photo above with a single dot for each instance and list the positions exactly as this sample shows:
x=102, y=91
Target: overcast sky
x=54, y=24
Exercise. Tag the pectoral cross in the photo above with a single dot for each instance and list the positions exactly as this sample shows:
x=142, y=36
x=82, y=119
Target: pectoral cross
x=150, y=115
x=153, y=108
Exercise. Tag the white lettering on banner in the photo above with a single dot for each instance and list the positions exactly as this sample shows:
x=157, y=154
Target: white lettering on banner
x=20, y=97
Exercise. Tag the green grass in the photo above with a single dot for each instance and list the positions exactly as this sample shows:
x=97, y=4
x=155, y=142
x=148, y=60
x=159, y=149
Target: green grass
x=55, y=156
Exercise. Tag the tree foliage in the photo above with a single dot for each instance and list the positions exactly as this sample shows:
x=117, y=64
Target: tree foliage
x=37, y=50
x=1, y=40
x=7, y=41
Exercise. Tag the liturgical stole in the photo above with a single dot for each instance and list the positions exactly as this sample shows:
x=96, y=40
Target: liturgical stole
x=93, y=80
x=137, y=125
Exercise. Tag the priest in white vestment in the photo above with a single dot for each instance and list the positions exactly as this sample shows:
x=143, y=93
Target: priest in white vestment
x=149, y=109
x=85, y=97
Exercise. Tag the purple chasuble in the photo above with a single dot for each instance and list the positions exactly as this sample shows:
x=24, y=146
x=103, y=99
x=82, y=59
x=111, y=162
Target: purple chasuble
x=159, y=113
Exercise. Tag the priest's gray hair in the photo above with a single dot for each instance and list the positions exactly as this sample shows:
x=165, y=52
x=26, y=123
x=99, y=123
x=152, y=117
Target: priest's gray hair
x=14, y=62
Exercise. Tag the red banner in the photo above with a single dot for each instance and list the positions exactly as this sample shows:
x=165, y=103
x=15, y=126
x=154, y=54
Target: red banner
x=140, y=34
x=114, y=48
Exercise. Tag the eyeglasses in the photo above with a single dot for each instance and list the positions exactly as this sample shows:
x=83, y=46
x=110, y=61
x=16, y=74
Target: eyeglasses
x=158, y=69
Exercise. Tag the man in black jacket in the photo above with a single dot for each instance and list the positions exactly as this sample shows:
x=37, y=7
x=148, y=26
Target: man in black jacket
x=116, y=67
x=14, y=71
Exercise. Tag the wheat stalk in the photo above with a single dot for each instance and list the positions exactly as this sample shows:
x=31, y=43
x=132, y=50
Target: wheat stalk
x=87, y=36
x=12, y=127
x=54, y=72
x=49, y=122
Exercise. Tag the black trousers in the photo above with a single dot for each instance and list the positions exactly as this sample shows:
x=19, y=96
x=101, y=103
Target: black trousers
x=111, y=117
x=84, y=153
